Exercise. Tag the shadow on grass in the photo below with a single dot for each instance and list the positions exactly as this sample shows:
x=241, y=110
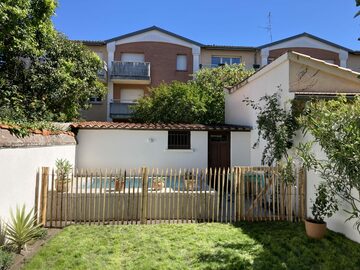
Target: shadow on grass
x=281, y=245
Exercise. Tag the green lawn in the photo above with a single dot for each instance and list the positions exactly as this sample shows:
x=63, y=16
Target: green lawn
x=196, y=246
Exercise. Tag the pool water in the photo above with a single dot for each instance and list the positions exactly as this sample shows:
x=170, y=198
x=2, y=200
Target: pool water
x=135, y=182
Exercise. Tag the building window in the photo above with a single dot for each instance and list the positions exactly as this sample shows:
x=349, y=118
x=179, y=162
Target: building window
x=181, y=62
x=270, y=60
x=179, y=140
x=95, y=100
x=131, y=95
x=222, y=60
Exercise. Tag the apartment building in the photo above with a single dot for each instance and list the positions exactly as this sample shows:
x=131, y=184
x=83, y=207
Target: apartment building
x=135, y=62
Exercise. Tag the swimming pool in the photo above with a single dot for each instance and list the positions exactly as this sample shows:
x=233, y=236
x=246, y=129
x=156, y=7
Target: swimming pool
x=135, y=182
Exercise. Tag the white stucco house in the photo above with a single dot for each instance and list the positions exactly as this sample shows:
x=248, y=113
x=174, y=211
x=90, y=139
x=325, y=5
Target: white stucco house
x=299, y=77
x=108, y=145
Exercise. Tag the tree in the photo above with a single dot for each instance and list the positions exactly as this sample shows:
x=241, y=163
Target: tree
x=357, y=2
x=43, y=76
x=335, y=126
x=176, y=102
x=212, y=83
x=200, y=100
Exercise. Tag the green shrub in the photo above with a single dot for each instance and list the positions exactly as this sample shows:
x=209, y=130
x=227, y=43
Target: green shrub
x=2, y=233
x=63, y=169
x=6, y=259
x=22, y=228
x=325, y=203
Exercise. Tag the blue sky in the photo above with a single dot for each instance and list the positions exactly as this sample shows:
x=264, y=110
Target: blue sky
x=221, y=22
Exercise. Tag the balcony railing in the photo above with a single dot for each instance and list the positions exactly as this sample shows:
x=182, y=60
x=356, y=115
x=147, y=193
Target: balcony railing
x=211, y=66
x=121, y=110
x=130, y=70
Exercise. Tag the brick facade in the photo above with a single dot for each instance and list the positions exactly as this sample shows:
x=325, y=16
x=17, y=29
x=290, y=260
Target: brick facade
x=313, y=52
x=162, y=57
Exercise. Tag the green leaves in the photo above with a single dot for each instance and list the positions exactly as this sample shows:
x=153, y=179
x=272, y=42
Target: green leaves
x=176, y=102
x=21, y=230
x=63, y=169
x=2, y=234
x=199, y=101
x=43, y=75
x=325, y=203
x=335, y=126
x=276, y=126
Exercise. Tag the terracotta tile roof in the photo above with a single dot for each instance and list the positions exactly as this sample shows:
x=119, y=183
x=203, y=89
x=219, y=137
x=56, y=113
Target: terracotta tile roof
x=157, y=126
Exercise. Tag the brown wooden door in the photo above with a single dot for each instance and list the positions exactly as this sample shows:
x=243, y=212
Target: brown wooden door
x=218, y=149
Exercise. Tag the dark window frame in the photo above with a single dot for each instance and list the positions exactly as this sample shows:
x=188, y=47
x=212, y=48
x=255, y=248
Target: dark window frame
x=179, y=140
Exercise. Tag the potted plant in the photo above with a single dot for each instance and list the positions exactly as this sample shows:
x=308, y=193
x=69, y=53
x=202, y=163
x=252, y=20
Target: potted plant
x=157, y=183
x=63, y=169
x=324, y=206
x=119, y=184
x=189, y=181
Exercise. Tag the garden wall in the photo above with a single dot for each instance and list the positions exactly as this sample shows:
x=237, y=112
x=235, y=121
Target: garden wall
x=19, y=160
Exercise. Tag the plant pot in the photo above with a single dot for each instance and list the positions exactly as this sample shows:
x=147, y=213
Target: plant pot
x=315, y=229
x=62, y=185
x=119, y=185
x=157, y=185
x=190, y=184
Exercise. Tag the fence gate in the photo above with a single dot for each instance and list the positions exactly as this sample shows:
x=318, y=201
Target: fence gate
x=141, y=196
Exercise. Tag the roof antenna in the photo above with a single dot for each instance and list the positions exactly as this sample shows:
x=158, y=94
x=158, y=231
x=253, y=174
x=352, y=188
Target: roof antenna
x=268, y=28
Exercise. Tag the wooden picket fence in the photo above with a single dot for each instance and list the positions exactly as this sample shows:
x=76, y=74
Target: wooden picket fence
x=143, y=196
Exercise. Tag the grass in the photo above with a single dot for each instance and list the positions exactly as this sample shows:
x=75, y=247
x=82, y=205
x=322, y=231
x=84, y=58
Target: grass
x=195, y=246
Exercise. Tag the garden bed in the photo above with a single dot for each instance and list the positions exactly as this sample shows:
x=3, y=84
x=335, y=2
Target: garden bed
x=277, y=245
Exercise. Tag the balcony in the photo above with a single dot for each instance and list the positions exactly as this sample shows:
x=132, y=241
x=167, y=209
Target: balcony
x=131, y=72
x=102, y=73
x=210, y=66
x=121, y=110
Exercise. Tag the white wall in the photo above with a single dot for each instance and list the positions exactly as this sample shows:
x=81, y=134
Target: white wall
x=18, y=168
x=264, y=82
x=240, y=148
x=236, y=112
x=337, y=221
x=115, y=148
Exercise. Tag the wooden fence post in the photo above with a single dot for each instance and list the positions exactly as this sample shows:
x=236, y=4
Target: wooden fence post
x=44, y=194
x=36, y=202
x=144, y=194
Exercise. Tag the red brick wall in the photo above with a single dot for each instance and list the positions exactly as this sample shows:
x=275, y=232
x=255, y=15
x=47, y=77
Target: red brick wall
x=162, y=57
x=316, y=53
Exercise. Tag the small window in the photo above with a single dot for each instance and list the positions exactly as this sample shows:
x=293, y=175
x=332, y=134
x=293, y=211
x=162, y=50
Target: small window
x=179, y=140
x=181, y=62
x=95, y=100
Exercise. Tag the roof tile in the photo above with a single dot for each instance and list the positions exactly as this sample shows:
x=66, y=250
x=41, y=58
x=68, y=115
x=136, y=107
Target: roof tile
x=157, y=126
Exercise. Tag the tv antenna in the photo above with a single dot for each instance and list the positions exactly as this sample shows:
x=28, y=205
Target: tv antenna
x=268, y=28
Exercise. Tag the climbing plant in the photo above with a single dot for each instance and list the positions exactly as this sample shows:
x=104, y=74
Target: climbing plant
x=276, y=126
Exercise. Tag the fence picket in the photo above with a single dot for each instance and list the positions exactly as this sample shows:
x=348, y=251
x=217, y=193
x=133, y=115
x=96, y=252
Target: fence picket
x=178, y=202
x=190, y=195
x=213, y=178
x=52, y=199
x=170, y=195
